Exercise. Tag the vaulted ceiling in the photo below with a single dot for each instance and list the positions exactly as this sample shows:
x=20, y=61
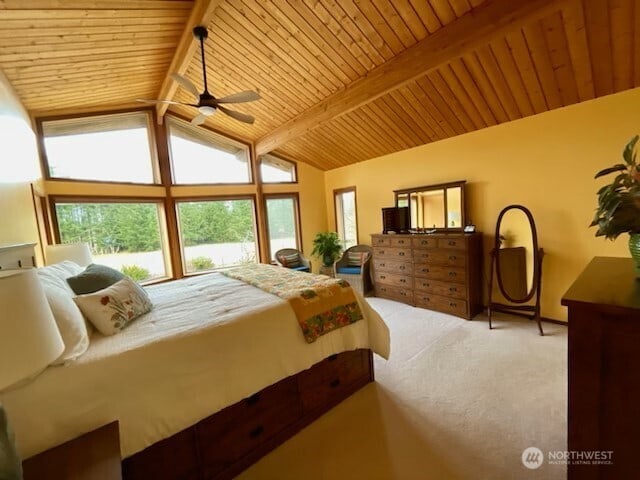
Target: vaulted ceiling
x=342, y=81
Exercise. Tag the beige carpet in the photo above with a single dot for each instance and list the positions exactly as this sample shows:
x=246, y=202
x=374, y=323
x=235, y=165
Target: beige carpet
x=455, y=401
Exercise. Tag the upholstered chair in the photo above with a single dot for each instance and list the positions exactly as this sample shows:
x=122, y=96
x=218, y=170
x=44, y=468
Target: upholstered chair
x=293, y=259
x=355, y=267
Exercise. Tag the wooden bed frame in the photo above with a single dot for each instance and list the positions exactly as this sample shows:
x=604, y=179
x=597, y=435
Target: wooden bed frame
x=222, y=445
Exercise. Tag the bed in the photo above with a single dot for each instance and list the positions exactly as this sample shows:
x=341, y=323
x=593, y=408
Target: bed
x=216, y=375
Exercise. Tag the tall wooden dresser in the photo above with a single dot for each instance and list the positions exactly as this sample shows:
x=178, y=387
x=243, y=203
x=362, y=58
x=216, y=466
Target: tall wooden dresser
x=603, y=369
x=439, y=271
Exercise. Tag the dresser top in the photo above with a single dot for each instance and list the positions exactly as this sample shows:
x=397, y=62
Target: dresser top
x=426, y=235
x=606, y=282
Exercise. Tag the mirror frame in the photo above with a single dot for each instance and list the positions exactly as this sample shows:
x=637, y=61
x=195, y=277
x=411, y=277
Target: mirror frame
x=444, y=187
x=536, y=254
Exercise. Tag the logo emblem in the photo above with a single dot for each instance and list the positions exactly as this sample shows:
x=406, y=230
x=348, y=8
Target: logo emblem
x=532, y=458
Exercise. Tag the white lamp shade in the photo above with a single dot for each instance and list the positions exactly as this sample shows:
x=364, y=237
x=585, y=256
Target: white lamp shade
x=76, y=252
x=29, y=337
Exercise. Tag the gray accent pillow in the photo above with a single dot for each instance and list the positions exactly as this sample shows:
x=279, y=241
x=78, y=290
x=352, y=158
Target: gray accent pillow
x=10, y=464
x=95, y=277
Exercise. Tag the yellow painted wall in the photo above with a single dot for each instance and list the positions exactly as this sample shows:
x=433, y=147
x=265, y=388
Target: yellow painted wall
x=18, y=161
x=545, y=162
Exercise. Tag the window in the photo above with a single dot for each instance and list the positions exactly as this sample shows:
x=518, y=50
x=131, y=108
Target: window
x=283, y=222
x=277, y=170
x=346, y=218
x=123, y=235
x=201, y=156
x=217, y=233
x=109, y=148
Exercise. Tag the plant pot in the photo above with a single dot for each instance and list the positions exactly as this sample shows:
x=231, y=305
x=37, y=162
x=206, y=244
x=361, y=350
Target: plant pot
x=327, y=260
x=634, y=248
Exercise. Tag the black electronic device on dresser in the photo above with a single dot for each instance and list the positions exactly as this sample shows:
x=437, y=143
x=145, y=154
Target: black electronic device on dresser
x=440, y=270
x=396, y=220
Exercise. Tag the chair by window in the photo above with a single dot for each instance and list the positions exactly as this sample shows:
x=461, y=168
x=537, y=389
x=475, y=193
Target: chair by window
x=355, y=267
x=293, y=259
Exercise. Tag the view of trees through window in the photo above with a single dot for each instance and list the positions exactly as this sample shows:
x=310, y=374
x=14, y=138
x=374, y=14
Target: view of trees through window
x=217, y=233
x=281, y=220
x=124, y=236
x=346, y=220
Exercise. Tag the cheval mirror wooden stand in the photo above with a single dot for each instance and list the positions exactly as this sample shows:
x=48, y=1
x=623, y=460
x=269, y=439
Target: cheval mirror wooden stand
x=516, y=261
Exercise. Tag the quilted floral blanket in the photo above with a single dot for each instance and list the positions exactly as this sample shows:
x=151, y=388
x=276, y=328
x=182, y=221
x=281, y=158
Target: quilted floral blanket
x=320, y=303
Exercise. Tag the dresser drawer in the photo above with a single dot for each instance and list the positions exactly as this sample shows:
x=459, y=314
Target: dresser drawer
x=424, y=242
x=230, y=434
x=393, y=252
x=331, y=377
x=440, y=303
x=393, y=266
x=453, y=243
x=394, y=293
x=446, y=289
x=380, y=241
x=400, y=242
x=440, y=256
x=435, y=272
x=395, y=279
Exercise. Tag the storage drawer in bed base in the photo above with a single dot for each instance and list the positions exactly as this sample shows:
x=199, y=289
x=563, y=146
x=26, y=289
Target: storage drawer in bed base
x=256, y=425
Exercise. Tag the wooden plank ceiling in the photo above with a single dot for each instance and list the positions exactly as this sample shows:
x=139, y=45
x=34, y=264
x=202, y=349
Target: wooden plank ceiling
x=342, y=81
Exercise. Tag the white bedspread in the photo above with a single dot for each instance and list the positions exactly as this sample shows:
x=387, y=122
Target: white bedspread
x=209, y=342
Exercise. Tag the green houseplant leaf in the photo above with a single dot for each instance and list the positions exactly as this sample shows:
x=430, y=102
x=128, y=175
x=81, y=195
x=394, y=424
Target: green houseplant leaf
x=327, y=246
x=619, y=202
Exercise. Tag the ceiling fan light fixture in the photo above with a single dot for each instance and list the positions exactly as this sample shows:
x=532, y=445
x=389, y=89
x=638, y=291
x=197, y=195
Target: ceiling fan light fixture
x=207, y=110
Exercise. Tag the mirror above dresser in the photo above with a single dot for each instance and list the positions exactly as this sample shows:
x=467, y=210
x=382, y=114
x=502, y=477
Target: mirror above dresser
x=439, y=207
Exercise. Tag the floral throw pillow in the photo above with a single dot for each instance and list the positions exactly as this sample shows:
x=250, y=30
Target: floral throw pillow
x=113, y=308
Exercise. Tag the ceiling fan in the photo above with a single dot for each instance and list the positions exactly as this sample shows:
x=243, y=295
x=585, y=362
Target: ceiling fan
x=207, y=103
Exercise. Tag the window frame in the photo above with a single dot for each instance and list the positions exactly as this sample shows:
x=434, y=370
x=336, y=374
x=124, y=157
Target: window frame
x=295, y=196
x=214, y=198
x=214, y=133
x=279, y=157
x=162, y=222
x=152, y=139
x=336, y=193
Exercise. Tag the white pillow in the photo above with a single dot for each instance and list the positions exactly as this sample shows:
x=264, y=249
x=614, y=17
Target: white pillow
x=113, y=308
x=69, y=319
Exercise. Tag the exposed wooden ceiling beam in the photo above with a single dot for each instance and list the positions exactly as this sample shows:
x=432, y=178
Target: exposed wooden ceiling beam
x=201, y=14
x=491, y=20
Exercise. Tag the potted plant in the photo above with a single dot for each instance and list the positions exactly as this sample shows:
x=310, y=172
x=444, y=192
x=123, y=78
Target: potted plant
x=619, y=202
x=327, y=246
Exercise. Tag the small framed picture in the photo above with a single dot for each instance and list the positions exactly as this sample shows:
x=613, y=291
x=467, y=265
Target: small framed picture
x=469, y=228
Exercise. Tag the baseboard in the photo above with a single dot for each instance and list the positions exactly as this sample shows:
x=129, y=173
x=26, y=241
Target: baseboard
x=553, y=320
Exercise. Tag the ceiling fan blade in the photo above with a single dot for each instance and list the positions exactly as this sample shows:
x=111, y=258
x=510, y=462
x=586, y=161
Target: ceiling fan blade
x=157, y=102
x=199, y=119
x=241, y=97
x=186, y=84
x=237, y=115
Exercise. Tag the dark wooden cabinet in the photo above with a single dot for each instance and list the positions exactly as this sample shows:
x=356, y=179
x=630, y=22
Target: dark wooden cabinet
x=441, y=271
x=603, y=368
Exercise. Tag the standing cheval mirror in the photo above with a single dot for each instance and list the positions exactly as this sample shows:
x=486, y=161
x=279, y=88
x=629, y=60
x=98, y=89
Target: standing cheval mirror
x=516, y=262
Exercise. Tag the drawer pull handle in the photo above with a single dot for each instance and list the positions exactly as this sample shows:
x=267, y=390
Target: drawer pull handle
x=424, y=243
x=403, y=280
x=402, y=267
x=401, y=254
x=453, y=289
x=401, y=242
x=382, y=264
x=333, y=357
x=383, y=277
x=451, y=304
x=452, y=274
x=334, y=383
x=452, y=243
x=256, y=432
x=452, y=257
x=253, y=399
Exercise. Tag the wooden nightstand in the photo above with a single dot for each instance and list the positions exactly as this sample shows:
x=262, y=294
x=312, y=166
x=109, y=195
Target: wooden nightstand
x=92, y=456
